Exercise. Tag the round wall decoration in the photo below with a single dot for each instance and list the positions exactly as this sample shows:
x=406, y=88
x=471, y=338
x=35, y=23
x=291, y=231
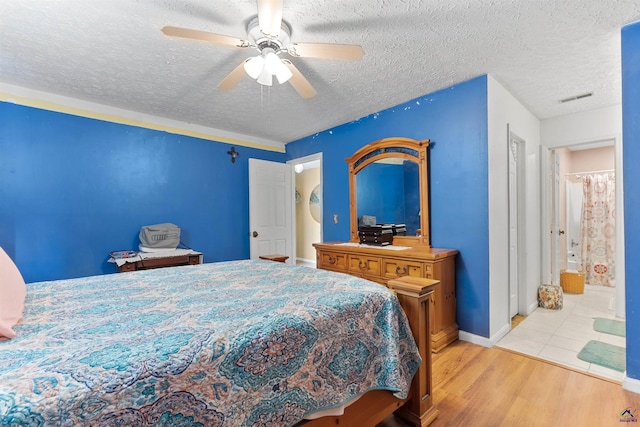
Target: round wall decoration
x=315, y=204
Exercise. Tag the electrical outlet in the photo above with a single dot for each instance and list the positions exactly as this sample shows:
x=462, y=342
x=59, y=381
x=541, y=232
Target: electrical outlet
x=335, y=218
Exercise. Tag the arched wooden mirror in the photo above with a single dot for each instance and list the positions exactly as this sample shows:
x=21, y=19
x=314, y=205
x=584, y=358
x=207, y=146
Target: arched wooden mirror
x=388, y=180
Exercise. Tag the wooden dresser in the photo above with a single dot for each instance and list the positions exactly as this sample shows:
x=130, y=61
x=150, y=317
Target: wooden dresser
x=381, y=264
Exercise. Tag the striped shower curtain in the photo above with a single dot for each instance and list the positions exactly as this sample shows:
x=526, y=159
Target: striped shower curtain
x=599, y=229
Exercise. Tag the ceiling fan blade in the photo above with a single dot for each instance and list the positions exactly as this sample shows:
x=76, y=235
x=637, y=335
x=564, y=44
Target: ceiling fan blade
x=270, y=16
x=205, y=36
x=233, y=78
x=299, y=83
x=326, y=50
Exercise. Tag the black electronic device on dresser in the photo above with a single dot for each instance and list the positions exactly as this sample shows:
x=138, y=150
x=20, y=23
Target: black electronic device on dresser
x=399, y=229
x=381, y=235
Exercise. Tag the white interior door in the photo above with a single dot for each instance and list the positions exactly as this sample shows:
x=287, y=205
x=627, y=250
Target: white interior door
x=513, y=226
x=555, y=218
x=271, y=219
x=549, y=204
x=545, y=215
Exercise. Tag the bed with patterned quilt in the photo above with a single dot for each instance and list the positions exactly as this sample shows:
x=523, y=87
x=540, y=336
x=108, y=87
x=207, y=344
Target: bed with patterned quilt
x=240, y=343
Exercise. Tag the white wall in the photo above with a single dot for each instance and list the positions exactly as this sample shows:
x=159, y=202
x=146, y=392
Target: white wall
x=588, y=126
x=504, y=109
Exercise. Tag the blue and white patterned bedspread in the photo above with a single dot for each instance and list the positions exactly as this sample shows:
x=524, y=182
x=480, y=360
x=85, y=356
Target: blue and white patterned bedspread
x=241, y=343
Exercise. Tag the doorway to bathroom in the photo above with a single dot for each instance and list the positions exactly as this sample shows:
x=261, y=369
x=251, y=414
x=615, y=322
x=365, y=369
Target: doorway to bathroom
x=308, y=207
x=586, y=201
x=583, y=204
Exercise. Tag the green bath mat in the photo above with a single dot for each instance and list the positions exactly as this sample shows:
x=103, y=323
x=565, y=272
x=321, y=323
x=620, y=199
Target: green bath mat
x=608, y=326
x=603, y=354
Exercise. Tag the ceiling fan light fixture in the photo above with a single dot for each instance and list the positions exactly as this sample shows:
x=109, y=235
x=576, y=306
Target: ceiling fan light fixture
x=283, y=74
x=265, y=78
x=266, y=65
x=274, y=66
x=270, y=35
x=254, y=66
x=271, y=60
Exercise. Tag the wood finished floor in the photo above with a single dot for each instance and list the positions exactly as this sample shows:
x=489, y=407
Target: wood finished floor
x=516, y=320
x=478, y=386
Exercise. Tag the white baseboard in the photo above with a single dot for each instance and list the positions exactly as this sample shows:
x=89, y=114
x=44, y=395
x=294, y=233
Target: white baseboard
x=531, y=308
x=474, y=339
x=631, y=384
x=483, y=341
x=500, y=334
x=308, y=261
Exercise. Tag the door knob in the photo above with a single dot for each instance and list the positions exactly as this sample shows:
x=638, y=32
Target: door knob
x=254, y=234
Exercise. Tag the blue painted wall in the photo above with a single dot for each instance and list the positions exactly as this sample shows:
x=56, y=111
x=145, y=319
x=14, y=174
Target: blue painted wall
x=412, y=197
x=456, y=119
x=73, y=189
x=631, y=154
x=380, y=192
x=390, y=192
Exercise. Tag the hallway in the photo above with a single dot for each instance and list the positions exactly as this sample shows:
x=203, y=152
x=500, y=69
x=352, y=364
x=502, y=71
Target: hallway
x=559, y=335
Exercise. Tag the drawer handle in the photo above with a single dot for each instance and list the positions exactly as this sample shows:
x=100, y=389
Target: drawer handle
x=332, y=260
x=401, y=271
x=362, y=265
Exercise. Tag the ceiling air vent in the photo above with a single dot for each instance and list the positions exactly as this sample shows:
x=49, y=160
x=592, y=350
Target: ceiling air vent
x=576, y=97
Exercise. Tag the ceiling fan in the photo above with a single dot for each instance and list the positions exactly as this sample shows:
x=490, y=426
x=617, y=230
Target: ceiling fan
x=271, y=37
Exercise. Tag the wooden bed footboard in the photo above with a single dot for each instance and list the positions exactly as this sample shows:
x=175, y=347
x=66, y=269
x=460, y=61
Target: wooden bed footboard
x=414, y=294
x=417, y=410
x=371, y=409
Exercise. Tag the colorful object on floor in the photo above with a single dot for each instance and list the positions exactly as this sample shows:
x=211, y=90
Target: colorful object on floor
x=609, y=326
x=603, y=354
x=550, y=296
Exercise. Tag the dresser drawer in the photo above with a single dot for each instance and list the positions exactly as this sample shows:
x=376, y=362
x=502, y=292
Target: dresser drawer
x=332, y=261
x=363, y=264
x=392, y=268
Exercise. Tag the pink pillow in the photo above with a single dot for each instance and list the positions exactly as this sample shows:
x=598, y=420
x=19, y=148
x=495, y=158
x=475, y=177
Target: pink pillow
x=12, y=294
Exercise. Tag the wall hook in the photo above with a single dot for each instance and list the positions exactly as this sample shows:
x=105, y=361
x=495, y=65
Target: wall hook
x=233, y=153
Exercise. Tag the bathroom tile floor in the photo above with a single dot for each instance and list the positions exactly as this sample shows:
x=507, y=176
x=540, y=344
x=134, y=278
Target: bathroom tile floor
x=559, y=335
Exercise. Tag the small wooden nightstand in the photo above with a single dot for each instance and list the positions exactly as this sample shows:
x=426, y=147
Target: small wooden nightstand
x=147, y=261
x=151, y=263
x=275, y=257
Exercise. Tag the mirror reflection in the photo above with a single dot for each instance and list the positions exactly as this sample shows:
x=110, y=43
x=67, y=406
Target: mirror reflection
x=389, y=191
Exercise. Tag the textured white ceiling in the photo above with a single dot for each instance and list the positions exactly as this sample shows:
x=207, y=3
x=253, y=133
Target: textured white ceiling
x=113, y=53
